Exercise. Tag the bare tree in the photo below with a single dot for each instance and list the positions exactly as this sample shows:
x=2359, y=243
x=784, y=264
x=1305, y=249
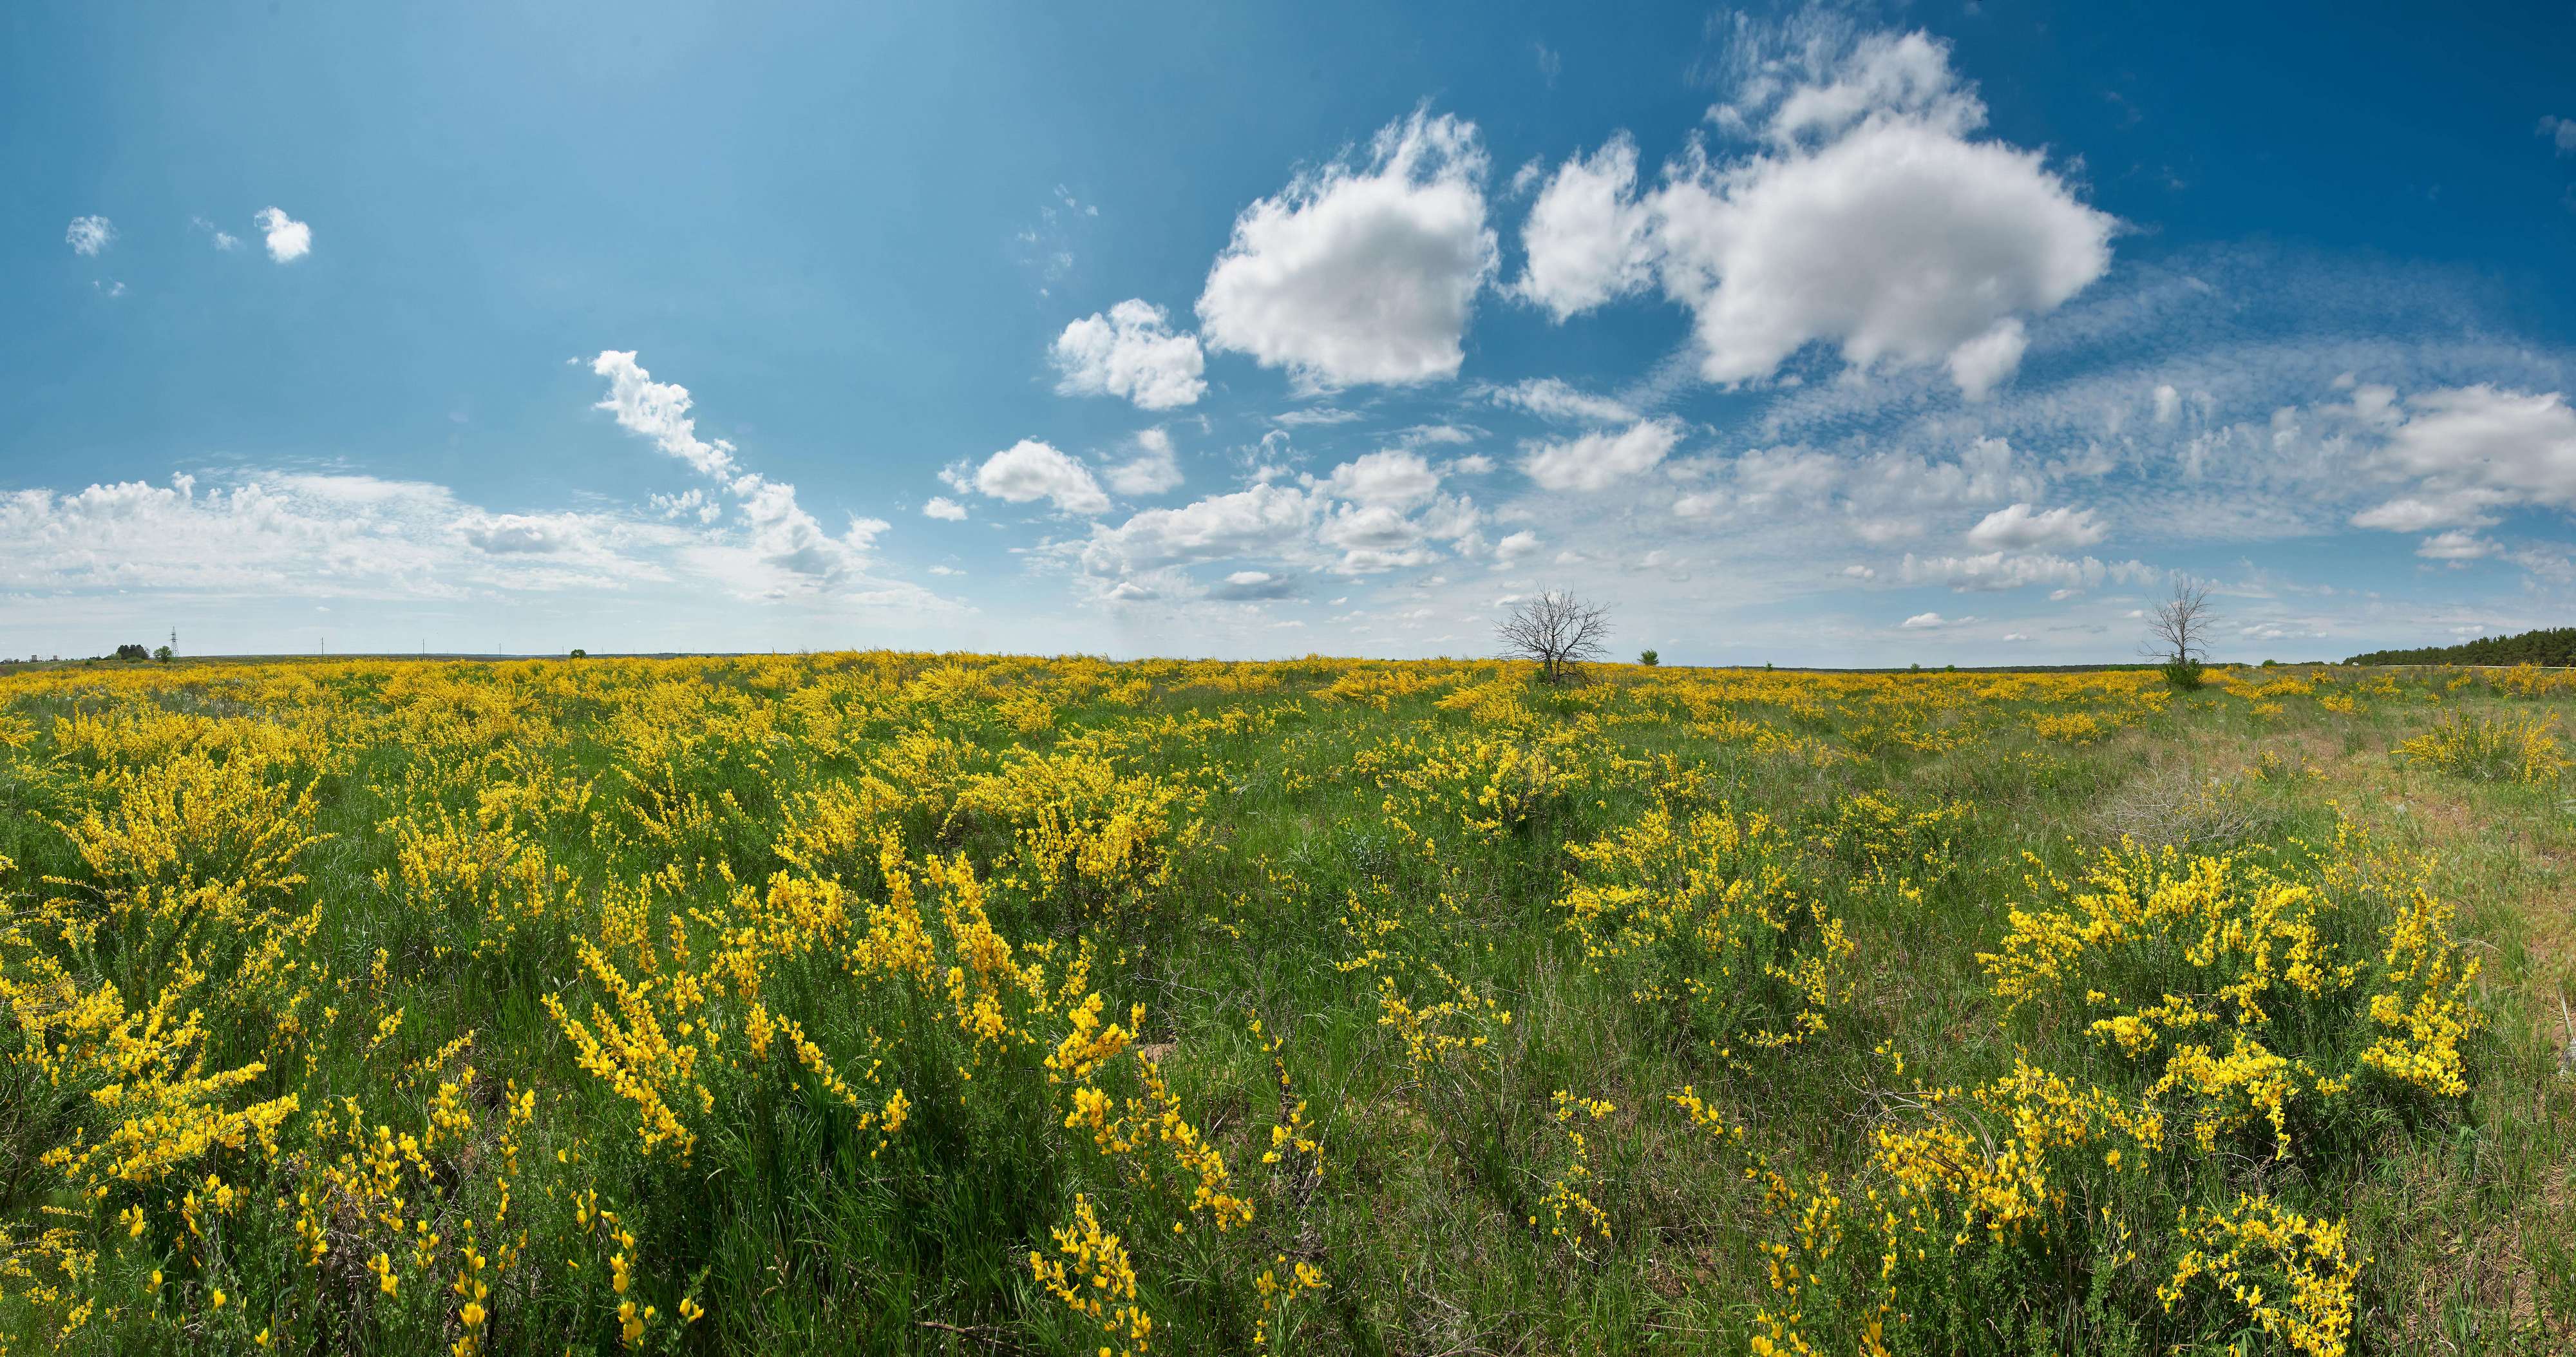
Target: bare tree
x=1560, y=631
x=2178, y=626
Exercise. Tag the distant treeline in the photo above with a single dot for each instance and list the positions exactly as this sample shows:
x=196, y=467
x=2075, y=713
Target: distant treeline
x=2554, y=646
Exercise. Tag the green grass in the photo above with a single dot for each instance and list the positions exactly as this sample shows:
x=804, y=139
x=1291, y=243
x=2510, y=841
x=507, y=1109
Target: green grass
x=800, y=1229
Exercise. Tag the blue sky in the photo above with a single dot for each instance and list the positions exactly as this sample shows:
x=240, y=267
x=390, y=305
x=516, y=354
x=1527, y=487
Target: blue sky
x=1942, y=333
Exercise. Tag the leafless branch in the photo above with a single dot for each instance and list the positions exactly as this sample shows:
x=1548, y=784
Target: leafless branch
x=1559, y=631
x=2178, y=626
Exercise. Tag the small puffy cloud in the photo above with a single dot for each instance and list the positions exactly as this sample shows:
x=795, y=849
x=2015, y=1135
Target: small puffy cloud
x=528, y=534
x=2168, y=404
x=942, y=507
x=1247, y=586
x=1869, y=216
x=1980, y=363
x=1473, y=464
x=2016, y=636
x=1130, y=352
x=1597, y=461
x=1153, y=470
x=2561, y=132
x=223, y=239
x=1552, y=398
x=1588, y=239
x=2413, y=513
x=1030, y=470
x=2455, y=546
x=1396, y=478
x=89, y=235
x=1361, y=272
x=2019, y=528
x=288, y=239
x=1512, y=549
x=1925, y=622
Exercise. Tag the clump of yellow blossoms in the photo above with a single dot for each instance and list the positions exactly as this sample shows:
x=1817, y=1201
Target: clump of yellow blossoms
x=2490, y=748
x=2287, y=1274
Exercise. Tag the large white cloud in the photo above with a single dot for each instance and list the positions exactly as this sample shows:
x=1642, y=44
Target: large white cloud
x=1031, y=470
x=1597, y=461
x=2469, y=452
x=1361, y=273
x=1130, y=352
x=1866, y=215
x=288, y=239
x=1263, y=520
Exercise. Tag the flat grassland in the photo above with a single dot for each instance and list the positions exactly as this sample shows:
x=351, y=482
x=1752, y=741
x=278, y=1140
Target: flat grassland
x=923, y=1003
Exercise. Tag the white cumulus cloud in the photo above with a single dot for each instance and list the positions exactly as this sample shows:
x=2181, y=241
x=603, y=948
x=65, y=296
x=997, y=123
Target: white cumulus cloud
x=1597, y=461
x=1396, y=478
x=2456, y=545
x=1130, y=352
x=288, y=239
x=2469, y=451
x=1588, y=239
x=2018, y=527
x=1030, y=470
x=1361, y=272
x=1259, y=521
x=942, y=507
x=1867, y=215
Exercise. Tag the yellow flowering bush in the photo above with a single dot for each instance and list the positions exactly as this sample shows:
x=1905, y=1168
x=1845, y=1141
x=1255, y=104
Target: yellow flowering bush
x=2489, y=749
x=914, y=1002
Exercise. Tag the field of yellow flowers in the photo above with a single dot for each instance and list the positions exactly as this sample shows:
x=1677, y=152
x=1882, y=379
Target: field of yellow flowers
x=934, y=1003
